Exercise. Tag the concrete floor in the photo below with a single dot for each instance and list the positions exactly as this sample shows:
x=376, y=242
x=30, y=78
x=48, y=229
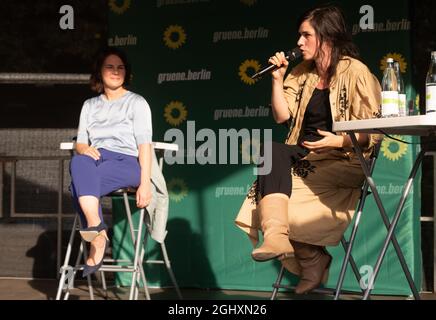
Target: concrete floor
x=30, y=289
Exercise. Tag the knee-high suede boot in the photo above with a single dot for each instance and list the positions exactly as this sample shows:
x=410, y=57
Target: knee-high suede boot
x=273, y=215
x=314, y=261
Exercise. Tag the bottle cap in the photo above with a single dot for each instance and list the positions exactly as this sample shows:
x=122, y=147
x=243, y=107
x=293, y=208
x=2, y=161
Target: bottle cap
x=389, y=60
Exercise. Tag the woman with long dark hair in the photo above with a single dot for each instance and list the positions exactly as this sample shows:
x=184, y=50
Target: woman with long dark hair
x=308, y=199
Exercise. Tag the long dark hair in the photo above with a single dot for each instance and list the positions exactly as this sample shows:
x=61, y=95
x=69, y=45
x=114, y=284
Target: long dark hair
x=329, y=24
x=96, y=82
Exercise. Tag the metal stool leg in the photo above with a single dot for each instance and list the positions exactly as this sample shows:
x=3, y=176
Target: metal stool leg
x=88, y=278
x=138, y=282
x=144, y=279
x=170, y=270
x=84, y=254
x=348, y=247
x=66, y=261
x=137, y=244
x=348, y=259
x=277, y=283
x=137, y=251
x=103, y=284
x=129, y=216
x=75, y=268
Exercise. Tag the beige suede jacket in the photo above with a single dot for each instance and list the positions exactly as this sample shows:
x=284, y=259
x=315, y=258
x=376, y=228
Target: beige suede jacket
x=355, y=93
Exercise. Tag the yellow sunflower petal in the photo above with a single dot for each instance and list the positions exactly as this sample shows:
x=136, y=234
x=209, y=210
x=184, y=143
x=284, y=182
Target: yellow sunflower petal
x=181, y=37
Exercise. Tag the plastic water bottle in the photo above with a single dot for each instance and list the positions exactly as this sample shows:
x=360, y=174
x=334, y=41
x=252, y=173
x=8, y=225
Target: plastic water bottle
x=402, y=101
x=389, y=106
x=430, y=86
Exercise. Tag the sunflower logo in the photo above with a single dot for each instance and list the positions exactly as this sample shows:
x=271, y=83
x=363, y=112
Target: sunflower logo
x=397, y=57
x=174, y=37
x=249, y=2
x=119, y=9
x=177, y=190
x=393, y=150
x=250, y=150
x=175, y=113
x=253, y=64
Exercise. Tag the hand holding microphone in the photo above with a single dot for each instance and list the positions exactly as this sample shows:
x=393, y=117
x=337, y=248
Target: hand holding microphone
x=279, y=61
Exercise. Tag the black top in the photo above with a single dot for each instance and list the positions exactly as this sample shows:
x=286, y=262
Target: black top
x=317, y=116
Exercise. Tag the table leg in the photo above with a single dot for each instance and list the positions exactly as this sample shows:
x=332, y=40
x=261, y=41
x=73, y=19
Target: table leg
x=390, y=227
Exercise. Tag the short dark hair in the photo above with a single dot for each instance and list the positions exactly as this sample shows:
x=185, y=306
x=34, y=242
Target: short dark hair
x=329, y=24
x=96, y=81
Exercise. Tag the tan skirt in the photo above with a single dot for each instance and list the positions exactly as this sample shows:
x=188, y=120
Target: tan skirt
x=321, y=206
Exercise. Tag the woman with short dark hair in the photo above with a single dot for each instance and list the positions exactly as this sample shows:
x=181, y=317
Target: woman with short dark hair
x=114, y=145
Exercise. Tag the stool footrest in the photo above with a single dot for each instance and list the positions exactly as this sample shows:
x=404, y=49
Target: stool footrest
x=318, y=290
x=155, y=261
x=112, y=268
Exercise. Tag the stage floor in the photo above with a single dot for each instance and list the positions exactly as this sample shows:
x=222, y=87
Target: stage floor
x=29, y=289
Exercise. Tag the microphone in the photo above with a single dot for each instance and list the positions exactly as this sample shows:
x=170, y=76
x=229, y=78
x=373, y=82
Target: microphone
x=291, y=56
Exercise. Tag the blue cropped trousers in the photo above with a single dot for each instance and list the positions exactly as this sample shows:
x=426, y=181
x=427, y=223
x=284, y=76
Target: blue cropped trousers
x=100, y=177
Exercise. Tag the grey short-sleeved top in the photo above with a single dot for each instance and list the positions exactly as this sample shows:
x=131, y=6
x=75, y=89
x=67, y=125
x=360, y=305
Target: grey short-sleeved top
x=119, y=125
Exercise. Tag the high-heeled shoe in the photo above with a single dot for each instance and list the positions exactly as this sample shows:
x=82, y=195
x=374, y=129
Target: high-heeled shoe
x=89, y=234
x=87, y=269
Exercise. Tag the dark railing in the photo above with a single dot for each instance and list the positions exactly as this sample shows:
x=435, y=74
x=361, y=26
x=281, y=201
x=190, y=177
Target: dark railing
x=12, y=160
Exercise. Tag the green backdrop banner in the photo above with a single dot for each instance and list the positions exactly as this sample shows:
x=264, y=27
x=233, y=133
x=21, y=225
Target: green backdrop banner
x=192, y=61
